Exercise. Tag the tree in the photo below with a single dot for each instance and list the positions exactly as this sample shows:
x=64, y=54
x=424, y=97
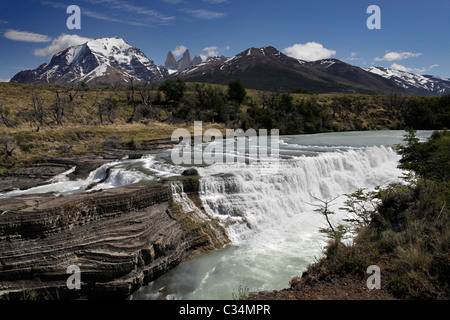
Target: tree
x=129, y=92
x=9, y=145
x=236, y=91
x=285, y=103
x=58, y=108
x=145, y=93
x=38, y=108
x=173, y=90
x=428, y=159
x=268, y=99
x=5, y=116
x=334, y=233
x=108, y=107
x=363, y=205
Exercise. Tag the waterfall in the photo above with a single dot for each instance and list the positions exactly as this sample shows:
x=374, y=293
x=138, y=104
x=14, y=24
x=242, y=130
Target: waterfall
x=214, y=236
x=249, y=201
x=267, y=209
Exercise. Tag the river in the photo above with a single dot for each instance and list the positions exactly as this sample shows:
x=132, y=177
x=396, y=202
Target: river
x=268, y=214
x=270, y=217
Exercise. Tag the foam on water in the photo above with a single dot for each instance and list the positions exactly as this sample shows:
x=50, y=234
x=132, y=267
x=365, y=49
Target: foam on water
x=267, y=209
x=269, y=214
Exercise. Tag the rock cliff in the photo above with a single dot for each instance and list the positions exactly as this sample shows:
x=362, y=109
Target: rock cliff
x=185, y=61
x=120, y=238
x=171, y=63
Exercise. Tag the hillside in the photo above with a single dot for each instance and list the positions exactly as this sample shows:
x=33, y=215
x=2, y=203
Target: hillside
x=418, y=84
x=100, y=61
x=114, y=61
x=402, y=229
x=269, y=69
x=49, y=120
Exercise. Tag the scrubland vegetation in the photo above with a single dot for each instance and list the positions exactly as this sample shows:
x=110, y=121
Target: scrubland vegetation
x=403, y=229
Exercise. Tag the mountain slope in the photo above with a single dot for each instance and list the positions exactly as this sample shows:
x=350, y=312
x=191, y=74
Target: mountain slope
x=353, y=74
x=269, y=69
x=105, y=60
x=112, y=60
x=416, y=83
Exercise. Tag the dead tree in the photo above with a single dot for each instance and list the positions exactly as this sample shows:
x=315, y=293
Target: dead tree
x=58, y=108
x=38, y=109
x=109, y=108
x=5, y=116
x=145, y=93
x=129, y=92
x=333, y=232
x=72, y=92
x=9, y=145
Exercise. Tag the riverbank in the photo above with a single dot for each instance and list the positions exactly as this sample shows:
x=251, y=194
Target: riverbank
x=340, y=275
x=402, y=230
x=120, y=238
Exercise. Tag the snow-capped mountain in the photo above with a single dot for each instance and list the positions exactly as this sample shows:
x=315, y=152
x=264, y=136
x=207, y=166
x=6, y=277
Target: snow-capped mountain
x=416, y=83
x=112, y=60
x=104, y=60
x=267, y=68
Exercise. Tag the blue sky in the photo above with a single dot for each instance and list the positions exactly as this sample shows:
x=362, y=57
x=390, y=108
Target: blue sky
x=414, y=35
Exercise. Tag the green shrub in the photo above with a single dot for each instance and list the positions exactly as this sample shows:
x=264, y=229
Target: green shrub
x=242, y=293
x=388, y=241
x=399, y=286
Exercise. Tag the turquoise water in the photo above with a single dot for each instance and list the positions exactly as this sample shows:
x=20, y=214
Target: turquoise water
x=270, y=220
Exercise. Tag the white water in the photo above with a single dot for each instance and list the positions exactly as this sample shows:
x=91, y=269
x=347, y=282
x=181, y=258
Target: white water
x=268, y=215
x=122, y=173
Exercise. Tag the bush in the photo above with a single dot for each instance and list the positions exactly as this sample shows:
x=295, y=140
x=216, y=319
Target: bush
x=133, y=144
x=408, y=231
x=294, y=283
x=399, y=286
x=388, y=241
x=236, y=91
x=242, y=293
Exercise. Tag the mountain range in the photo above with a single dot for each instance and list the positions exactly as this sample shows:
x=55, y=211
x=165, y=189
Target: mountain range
x=415, y=83
x=105, y=60
x=185, y=62
x=112, y=60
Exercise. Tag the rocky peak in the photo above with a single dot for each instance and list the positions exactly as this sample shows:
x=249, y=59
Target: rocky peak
x=197, y=60
x=104, y=60
x=171, y=63
x=185, y=62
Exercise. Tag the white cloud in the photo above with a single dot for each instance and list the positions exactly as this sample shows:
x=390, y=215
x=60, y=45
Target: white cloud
x=26, y=36
x=101, y=16
x=205, y=14
x=4, y=80
x=413, y=70
x=213, y=51
x=393, y=55
x=179, y=50
x=310, y=51
x=400, y=67
x=59, y=44
x=114, y=11
x=3, y=21
x=215, y=1
x=352, y=57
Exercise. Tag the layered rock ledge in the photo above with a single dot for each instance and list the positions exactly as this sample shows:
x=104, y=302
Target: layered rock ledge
x=121, y=239
x=39, y=172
